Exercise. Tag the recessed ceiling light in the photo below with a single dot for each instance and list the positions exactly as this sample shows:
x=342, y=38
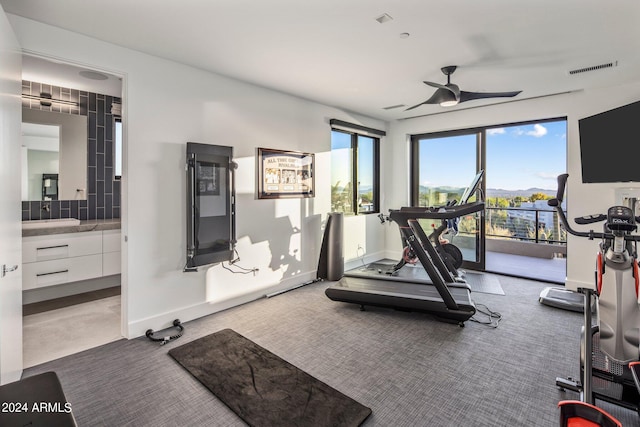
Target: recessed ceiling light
x=404, y=35
x=93, y=75
x=385, y=17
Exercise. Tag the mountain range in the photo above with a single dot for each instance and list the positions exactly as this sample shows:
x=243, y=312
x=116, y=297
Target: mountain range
x=508, y=194
x=491, y=192
x=496, y=192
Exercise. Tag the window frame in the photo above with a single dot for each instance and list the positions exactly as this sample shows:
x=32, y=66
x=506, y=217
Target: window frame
x=354, y=136
x=479, y=131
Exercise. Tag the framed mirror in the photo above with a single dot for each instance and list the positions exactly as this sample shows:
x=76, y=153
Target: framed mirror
x=53, y=145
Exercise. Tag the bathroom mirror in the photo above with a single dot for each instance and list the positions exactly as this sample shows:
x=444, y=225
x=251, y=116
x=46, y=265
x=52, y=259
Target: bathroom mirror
x=53, y=144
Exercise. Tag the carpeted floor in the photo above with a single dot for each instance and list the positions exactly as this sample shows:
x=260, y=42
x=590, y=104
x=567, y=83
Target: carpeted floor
x=408, y=368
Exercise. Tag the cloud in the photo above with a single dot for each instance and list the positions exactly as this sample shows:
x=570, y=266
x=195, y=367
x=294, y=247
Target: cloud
x=538, y=131
x=496, y=131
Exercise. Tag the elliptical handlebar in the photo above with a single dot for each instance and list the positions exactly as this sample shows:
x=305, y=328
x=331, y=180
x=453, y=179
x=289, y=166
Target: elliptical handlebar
x=588, y=219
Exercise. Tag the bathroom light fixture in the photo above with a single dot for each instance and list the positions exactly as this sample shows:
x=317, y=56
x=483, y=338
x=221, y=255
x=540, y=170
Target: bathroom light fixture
x=46, y=100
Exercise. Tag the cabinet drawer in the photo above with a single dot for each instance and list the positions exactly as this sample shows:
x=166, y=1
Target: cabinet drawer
x=53, y=272
x=111, y=241
x=44, y=248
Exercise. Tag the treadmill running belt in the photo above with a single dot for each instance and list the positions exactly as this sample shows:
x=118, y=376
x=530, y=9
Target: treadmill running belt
x=403, y=296
x=408, y=273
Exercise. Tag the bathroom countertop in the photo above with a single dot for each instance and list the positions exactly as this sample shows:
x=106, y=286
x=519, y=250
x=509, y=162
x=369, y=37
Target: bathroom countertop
x=90, y=225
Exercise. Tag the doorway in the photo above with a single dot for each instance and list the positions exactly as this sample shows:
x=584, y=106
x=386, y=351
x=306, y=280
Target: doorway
x=524, y=237
x=73, y=315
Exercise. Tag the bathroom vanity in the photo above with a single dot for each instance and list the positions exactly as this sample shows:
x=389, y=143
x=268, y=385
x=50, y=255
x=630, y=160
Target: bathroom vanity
x=77, y=253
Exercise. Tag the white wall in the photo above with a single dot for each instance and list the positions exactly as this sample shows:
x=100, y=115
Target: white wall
x=165, y=105
x=582, y=198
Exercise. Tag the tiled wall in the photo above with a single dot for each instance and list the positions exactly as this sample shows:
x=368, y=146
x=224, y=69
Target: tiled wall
x=103, y=191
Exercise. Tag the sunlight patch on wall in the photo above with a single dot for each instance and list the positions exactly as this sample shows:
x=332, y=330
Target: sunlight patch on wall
x=223, y=285
x=355, y=237
x=245, y=175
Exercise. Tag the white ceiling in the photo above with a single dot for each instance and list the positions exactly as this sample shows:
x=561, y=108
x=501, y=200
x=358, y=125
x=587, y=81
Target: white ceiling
x=336, y=53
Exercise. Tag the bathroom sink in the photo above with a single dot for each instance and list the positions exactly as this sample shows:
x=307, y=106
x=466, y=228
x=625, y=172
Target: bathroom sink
x=49, y=223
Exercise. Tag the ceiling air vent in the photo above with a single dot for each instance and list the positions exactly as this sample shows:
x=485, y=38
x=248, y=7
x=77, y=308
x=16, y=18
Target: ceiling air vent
x=384, y=18
x=594, y=68
x=391, y=107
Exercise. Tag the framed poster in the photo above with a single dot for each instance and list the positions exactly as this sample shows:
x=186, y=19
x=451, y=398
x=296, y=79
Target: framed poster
x=283, y=174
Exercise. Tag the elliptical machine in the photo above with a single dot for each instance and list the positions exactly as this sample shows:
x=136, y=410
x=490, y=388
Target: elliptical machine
x=613, y=342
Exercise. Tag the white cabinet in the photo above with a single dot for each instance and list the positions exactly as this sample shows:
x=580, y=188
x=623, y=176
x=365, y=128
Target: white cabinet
x=110, y=252
x=61, y=258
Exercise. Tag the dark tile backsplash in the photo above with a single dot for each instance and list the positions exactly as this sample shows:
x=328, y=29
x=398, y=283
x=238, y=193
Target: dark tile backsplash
x=103, y=191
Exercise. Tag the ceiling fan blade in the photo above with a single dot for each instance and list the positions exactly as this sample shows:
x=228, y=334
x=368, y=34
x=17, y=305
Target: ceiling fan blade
x=415, y=106
x=454, y=89
x=440, y=95
x=470, y=96
x=436, y=85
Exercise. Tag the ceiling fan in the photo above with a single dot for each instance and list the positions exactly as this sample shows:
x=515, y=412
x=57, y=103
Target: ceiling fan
x=450, y=94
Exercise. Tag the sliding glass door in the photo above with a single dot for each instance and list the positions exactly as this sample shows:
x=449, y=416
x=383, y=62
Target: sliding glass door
x=518, y=233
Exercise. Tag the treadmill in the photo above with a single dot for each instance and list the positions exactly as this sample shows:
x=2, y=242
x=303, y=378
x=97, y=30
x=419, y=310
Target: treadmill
x=403, y=271
x=446, y=299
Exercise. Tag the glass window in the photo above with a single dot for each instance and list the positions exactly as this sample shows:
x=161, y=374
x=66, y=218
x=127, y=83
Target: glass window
x=354, y=159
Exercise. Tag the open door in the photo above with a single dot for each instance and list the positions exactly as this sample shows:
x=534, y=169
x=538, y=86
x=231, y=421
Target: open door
x=10, y=220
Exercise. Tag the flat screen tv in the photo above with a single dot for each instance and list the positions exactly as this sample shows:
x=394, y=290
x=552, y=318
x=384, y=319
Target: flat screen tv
x=610, y=145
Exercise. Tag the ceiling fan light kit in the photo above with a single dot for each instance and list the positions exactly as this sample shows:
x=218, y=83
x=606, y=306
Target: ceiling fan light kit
x=449, y=94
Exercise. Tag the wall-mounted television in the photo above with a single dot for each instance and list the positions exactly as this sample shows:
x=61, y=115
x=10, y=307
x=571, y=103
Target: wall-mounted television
x=610, y=145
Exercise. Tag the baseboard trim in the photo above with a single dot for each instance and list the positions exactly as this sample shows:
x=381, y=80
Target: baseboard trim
x=574, y=285
x=138, y=328
x=31, y=296
x=355, y=263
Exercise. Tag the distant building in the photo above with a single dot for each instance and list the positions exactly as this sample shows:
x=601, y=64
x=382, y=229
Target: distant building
x=527, y=213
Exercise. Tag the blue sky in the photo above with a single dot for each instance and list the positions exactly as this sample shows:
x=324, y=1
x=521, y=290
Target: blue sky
x=518, y=157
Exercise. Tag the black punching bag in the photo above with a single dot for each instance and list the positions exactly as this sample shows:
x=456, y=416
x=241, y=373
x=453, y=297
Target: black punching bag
x=331, y=264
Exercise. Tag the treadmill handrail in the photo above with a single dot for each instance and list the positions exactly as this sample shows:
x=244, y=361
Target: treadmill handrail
x=444, y=212
x=419, y=249
x=436, y=259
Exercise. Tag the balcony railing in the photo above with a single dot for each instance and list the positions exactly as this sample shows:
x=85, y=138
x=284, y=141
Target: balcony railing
x=524, y=224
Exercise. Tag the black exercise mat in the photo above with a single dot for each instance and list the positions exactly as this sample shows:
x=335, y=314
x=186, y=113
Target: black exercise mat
x=262, y=388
